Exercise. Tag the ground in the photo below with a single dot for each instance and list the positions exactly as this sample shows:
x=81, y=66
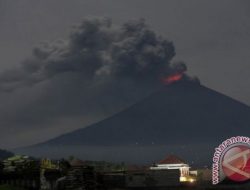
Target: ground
x=7, y=187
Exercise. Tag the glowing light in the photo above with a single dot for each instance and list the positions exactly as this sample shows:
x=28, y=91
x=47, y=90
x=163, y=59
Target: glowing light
x=183, y=179
x=172, y=78
x=187, y=179
x=191, y=180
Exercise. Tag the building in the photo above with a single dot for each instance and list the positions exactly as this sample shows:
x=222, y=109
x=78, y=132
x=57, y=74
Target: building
x=80, y=176
x=15, y=163
x=173, y=162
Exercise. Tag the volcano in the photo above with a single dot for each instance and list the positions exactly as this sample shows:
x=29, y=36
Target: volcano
x=183, y=112
x=185, y=115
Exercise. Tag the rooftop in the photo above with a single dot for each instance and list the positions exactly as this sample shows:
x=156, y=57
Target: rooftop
x=172, y=159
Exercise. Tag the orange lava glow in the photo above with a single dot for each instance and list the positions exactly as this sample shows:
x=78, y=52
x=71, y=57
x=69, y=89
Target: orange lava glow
x=172, y=78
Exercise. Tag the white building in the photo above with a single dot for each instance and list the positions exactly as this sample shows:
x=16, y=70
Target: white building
x=172, y=162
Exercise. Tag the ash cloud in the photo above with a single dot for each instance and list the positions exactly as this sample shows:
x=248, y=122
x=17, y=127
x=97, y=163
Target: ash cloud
x=97, y=50
x=100, y=69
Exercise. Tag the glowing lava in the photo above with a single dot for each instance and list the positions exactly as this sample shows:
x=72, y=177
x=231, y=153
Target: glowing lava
x=172, y=78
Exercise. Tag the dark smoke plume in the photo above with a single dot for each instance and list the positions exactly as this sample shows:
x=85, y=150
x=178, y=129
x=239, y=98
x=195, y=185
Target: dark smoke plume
x=98, y=50
x=98, y=70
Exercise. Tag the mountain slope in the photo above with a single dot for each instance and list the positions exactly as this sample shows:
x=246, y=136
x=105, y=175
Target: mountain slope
x=5, y=154
x=180, y=113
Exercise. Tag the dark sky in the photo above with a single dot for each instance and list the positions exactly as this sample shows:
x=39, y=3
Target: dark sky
x=212, y=38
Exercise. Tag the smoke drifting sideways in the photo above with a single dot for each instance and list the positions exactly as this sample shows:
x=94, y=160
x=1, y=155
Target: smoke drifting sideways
x=98, y=51
x=100, y=69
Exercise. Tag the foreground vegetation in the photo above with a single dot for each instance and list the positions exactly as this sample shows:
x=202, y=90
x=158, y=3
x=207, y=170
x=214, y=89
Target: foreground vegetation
x=7, y=187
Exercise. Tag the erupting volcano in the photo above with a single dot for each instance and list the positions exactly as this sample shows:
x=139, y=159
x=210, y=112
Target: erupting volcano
x=179, y=115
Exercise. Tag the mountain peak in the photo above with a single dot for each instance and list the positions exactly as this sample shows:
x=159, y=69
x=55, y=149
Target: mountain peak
x=182, y=109
x=184, y=116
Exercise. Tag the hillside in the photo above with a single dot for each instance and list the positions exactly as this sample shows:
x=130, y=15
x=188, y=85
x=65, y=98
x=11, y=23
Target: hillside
x=180, y=113
x=184, y=118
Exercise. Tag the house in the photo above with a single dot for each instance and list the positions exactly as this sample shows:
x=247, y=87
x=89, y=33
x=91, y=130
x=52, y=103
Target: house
x=173, y=162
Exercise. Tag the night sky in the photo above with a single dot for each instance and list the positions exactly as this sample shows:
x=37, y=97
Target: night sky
x=210, y=37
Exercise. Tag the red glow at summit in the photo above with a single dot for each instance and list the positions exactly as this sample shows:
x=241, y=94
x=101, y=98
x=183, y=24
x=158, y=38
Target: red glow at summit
x=172, y=78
